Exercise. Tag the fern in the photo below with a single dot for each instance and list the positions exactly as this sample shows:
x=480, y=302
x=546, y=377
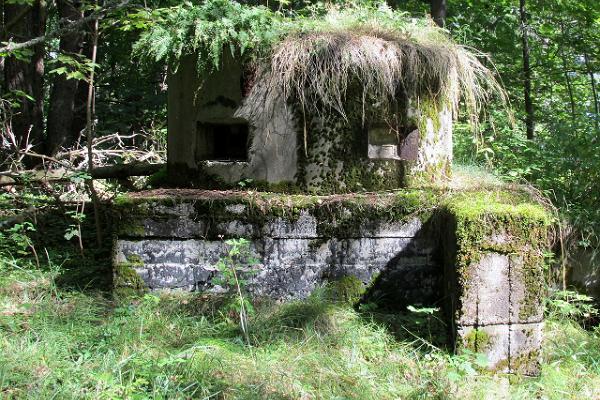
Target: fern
x=207, y=30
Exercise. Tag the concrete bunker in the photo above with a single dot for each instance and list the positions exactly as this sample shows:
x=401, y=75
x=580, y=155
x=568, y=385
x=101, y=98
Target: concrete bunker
x=367, y=148
x=477, y=255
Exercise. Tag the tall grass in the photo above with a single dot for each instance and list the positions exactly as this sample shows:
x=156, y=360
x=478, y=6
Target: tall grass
x=56, y=343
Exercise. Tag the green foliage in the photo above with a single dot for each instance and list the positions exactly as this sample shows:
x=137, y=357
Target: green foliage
x=207, y=29
x=72, y=66
x=235, y=268
x=320, y=58
x=16, y=239
x=566, y=304
x=183, y=345
x=563, y=160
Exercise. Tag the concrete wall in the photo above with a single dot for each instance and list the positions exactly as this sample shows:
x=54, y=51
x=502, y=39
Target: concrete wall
x=272, y=155
x=325, y=153
x=176, y=247
x=485, y=266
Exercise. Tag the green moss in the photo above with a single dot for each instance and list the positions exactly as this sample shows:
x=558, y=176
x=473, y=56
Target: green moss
x=503, y=222
x=348, y=289
x=159, y=178
x=526, y=363
x=335, y=158
x=126, y=280
x=477, y=340
x=276, y=187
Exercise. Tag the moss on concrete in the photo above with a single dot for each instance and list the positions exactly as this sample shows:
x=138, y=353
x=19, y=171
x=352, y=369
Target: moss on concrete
x=340, y=216
x=348, y=289
x=477, y=340
x=126, y=280
x=503, y=222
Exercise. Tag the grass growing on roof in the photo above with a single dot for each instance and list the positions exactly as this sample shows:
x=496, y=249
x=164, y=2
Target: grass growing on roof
x=319, y=57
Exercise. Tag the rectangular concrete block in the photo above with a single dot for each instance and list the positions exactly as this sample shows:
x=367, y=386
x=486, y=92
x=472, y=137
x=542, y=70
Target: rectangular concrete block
x=286, y=282
x=492, y=340
x=304, y=227
x=527, y=287
x=513, y=348
x=392, y=229
x=167, y=276
x=371, y=250
x=297, y=251
x=485, y=291
x=525, y=348
x=235, y=229
x=170, y=227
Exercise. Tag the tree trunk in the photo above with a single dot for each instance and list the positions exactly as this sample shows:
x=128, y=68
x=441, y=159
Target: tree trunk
x=60, y=130
x=81, y=95
x=590, y=72
x=529, y=119
x=438, y=11
x=569, y=85
x=27, y=75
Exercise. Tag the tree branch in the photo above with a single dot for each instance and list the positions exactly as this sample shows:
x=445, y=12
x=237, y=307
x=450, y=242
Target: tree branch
x=66, y=27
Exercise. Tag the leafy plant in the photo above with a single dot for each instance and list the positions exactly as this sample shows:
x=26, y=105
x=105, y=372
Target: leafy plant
x=235, y=268
x=567, y=304
x=72, y=66
x=16, y=240
x=206, y=30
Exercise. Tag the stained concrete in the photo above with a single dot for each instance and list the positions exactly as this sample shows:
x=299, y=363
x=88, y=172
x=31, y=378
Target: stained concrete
x=293, y=259
x=285, y=147
x=405, y=259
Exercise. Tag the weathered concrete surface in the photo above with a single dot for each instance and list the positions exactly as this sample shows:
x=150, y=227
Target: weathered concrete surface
x=272, y=154
x=496, y=300
x=327, y=153
x=490, y=277
x=293, y=258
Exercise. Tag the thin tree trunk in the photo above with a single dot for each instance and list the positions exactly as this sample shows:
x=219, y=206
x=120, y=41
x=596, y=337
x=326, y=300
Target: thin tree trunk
x=27, y=76
x=63, y=30
x=569, y=85
x=529, y=119
x=59, y=128
x=89, y=136
x=81, y=95
x=438, y=11
x=590, y=72
x=3, y=39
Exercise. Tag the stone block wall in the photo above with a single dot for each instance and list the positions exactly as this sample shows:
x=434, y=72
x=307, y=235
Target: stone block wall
x=494, y=281
x=481, y=255
x=177, y=245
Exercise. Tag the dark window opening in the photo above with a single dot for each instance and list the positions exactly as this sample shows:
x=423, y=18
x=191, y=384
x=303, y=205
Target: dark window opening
x=227, y=141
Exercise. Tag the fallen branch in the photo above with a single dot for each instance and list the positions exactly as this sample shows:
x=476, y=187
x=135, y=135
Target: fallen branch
x=118, y=171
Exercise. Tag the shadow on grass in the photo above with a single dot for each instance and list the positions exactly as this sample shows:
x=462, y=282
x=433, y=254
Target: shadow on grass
x=87, y=269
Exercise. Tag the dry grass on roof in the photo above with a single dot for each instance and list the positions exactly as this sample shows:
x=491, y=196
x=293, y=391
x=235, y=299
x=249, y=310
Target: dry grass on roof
x=321, y=66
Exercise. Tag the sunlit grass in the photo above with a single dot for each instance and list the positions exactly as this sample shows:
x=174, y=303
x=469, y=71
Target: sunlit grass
x=55, y=343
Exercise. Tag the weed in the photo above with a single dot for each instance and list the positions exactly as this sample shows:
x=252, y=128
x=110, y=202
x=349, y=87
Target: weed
x=235, y=269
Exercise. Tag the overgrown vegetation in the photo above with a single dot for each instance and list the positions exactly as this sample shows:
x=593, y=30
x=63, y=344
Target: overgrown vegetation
x=62, y=334
x=326, y=54
x=56, y=342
